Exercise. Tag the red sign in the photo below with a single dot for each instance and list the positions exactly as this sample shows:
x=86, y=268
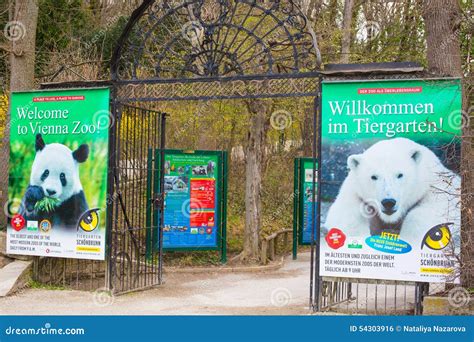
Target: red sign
x=18, y=222
x=59, y=98
x=202, y=219
x=203, y=192
x=335, y=238
x=403, y=90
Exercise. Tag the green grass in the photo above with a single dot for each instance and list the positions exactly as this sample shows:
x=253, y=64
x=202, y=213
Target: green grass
x=37, y=285
x=204, y=258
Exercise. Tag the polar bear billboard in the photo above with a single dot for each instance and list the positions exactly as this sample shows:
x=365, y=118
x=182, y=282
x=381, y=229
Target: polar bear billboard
x=58, y=173
x=390, y=184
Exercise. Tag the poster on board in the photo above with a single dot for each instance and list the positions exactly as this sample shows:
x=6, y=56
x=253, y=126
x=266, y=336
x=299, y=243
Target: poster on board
x=57, y=184
x=306, y=200
x=390, y=184
x=192, y=203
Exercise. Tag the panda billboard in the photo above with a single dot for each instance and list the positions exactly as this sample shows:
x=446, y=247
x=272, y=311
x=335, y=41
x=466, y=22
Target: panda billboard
x=390, y=184
x=57, y=183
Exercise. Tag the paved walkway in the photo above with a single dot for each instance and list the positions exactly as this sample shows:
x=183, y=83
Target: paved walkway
x=280, y=292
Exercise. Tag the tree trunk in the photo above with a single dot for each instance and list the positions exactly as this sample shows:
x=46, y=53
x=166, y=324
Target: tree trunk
x=307, y=129
x=442, y=22
x=21, y=34
x=407, y=30
x=346, y=30
x=22, y=57
x=254, y=151
x=370, y=18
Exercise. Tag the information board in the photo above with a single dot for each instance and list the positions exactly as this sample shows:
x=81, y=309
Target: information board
x=57, y=188
x=304, y=207
x=194, y=200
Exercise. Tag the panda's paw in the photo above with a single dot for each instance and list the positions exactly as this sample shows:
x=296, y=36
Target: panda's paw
x=32, y=196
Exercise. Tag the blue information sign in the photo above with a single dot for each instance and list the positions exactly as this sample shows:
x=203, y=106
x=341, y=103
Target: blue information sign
x=192, y=206
x=305, y=200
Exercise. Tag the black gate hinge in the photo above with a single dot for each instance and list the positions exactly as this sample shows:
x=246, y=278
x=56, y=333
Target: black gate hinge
x=158, y=200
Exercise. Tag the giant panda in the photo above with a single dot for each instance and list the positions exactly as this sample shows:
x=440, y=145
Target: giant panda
x=55, y=173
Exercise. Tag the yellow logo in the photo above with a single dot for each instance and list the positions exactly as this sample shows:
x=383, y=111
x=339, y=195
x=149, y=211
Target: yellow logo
x=89, y=221
x=437, y=237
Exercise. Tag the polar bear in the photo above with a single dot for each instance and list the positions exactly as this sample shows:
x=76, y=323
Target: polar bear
x=396, y=185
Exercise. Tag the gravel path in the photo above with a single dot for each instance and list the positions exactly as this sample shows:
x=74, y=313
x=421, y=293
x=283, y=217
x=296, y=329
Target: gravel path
x=280, y=292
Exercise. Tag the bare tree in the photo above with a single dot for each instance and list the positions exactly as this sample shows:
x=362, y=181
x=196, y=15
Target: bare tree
x=346, y=30
x=254, y=155
x=442, y=24
x=22, y=54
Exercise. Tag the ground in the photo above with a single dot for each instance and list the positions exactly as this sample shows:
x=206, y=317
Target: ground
x=284, y=291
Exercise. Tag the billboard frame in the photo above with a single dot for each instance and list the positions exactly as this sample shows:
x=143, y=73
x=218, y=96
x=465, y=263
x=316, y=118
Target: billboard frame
x=316, y=281
x=221, y=199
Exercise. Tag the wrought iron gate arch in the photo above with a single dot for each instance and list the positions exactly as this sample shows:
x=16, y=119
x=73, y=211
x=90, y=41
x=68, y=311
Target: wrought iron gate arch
x=205, y=39
x=232, y=49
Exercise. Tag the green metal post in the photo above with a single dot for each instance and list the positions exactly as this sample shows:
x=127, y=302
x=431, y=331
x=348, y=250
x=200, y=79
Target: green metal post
x=156, y=191
x=296, y=201
x=224, y=208
x=149, y=206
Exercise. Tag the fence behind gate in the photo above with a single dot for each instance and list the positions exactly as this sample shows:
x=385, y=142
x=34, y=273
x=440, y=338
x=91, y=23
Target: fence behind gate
x=369, y=296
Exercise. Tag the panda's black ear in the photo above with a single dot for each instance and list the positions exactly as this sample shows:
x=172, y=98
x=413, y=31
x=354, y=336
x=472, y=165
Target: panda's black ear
x=39, y=143
x=81, y=154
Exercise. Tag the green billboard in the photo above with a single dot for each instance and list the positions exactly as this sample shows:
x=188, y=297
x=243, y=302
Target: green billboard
x=390, y=184
x=58, y=173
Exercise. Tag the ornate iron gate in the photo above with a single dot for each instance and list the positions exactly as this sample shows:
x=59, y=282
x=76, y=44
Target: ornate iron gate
x=136, y=211
x=178, y=51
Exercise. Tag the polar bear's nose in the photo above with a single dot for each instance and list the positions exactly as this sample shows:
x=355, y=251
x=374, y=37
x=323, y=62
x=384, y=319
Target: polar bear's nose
x=389, y=203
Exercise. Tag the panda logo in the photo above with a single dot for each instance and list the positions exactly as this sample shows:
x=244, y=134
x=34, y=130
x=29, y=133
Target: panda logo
x=55, y=191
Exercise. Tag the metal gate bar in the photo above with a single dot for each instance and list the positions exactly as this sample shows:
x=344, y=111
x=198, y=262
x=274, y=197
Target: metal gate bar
x=132, y=265
x=368, y=296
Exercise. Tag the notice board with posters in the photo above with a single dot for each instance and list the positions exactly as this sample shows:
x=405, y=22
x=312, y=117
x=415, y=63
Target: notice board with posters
x=195, y=196
x=390, y=184
x=303, y=211
x=57, y=183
